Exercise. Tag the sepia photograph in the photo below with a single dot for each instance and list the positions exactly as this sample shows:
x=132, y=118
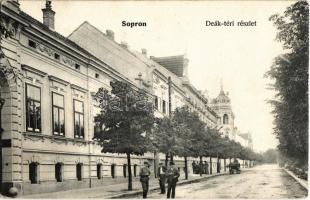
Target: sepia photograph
x=154, y=99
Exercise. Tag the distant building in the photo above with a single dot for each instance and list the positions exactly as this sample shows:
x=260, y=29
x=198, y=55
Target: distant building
x=222, y=106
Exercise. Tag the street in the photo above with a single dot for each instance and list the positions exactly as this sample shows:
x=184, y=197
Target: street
x=266, y=181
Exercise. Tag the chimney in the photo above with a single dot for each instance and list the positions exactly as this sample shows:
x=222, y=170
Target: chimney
x=124, y=45
x=48, y=15
x=144, y=52
x=110, y=34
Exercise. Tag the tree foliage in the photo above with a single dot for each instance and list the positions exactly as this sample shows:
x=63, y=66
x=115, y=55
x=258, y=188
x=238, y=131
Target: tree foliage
x=126, y=118
x=184, y=134
x=126, y=121
x=290, y=74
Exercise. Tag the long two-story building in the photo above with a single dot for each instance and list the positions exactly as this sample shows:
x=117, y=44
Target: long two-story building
x=47, y=88
x=47, y=84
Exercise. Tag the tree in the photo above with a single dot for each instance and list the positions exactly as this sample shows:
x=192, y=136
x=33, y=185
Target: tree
x=290, y=74
x=192, y=131
x=270, y=156
x=126, y=120
x=182, y=134
x=165, y=137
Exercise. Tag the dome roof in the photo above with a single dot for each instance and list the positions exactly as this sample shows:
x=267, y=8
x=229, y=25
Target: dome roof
x=222, y=97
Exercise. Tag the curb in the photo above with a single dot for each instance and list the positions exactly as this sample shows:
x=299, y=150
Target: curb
x=134, y=193
x=304, y=184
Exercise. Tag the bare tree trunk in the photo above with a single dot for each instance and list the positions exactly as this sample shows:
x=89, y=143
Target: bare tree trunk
x=217, y=164
x=156, y=162
x=200, y=165
x=166, y=160
x=186, y=169
x=129, y=172
x=210, y=165
x=171, y=156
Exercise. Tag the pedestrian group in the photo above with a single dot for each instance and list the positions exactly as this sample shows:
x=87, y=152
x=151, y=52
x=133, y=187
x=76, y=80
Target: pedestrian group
x=170, y=175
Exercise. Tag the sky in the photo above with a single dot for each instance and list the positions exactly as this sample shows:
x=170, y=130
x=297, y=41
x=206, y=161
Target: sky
x=238, y=55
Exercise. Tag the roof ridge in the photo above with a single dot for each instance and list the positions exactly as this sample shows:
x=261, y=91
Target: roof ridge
x=77, y=28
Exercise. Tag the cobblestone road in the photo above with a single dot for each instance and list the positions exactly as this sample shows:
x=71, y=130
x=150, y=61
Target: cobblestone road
x=267, y=181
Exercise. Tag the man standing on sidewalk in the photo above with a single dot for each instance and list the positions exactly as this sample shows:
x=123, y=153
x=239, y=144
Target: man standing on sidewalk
x=162, y=178
x=144, y=178
x=172, y=179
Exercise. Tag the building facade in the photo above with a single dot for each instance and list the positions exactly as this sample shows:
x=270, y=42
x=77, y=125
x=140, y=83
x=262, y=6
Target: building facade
x=222, y=106
x=48, y=83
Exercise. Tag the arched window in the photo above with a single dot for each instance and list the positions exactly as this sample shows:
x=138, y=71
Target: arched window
x=79, y=171
x=225, y=119
x=99, y=168
x=124, y=170
x=33, y=172
x=113, y=170
x=58, y=172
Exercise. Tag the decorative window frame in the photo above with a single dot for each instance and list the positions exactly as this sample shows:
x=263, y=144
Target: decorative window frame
x=25, y=106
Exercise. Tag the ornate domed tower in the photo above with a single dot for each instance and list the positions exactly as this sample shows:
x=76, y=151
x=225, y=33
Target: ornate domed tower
x=221, y=105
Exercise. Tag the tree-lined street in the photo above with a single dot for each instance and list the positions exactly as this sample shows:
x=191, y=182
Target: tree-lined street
x=265, y=181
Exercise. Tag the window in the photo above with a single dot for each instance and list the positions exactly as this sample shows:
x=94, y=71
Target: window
x=58, y=172
x=98, y=127
x=32, y=44
x=77, y=67
x=164, y=106
x=156, y=102
x=225, y=119
x=78, y=119
x=113, y=170
x=99, y=168
x=96, y=75
x=79, y=171
x=56, y=56
x=33, y=108
x=124, y=170
x=58, y=114
x=33, y=172
x=135, y=170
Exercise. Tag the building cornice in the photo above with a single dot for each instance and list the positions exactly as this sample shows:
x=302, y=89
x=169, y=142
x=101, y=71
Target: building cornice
x=56, y=79
x=73, y=86
x=33, y=70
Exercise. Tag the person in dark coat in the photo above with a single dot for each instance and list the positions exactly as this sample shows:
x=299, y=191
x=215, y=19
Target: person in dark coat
x=172, y=175
x=162, y=178
x=195, y=168
x=144, y=178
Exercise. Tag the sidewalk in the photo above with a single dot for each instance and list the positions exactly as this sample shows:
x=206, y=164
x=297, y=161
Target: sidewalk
x=302, y=182
x=113, y=191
